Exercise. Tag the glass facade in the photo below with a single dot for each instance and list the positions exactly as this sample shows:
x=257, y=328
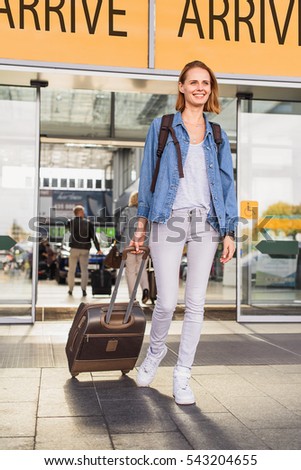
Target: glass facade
x=269, y=170
x=75, y=113
x=85, y=154
x=134, y=112
x=92, y=115
x=18, y=178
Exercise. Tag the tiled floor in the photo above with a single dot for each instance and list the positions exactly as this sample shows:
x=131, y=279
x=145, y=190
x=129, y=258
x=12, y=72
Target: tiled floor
x=247, y=382
x=51, y=293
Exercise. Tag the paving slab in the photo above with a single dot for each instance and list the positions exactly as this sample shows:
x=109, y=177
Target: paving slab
x=66, y=402
x=221, y=386
x=288, y=395
x=18, y=389
x=58, y=377
x=122, y=388
x=18, y=419
x=213, y=370
x=140, y=416
x=280, y=439
x=216, y=431
x=288, y=368
x=72, y=433
x=260, y=375
x=21, y=373
x=16, y=443
x=261, y=412
x=167, y=440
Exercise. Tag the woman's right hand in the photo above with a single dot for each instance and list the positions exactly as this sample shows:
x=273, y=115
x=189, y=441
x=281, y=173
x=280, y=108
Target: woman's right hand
x=137, y=241
x=139, y=235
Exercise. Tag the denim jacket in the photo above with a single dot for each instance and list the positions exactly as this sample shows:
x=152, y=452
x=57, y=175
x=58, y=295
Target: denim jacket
x=157, y=206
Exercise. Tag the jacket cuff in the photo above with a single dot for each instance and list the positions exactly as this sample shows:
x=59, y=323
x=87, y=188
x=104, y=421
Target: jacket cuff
x=230, y=234
x=143, y=212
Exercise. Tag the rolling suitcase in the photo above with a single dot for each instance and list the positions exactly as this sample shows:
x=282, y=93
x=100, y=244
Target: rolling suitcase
x=107, y=336
x=101, y=282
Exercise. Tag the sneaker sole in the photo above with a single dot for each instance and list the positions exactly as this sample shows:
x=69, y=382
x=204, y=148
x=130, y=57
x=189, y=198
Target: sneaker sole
x=141, y=385
x=183, y=404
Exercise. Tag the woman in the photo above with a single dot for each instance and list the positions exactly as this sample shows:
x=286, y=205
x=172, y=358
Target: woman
x=198, y=209
x=133, y=261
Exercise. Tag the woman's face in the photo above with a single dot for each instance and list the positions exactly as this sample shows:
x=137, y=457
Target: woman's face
x=196, y=87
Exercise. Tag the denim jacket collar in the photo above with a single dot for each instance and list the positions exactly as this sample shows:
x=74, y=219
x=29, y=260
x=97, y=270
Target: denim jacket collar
x=157, y=206
x=178, y=120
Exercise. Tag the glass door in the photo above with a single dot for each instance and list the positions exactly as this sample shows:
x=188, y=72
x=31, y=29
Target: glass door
x=19, y=163
x=269, y=194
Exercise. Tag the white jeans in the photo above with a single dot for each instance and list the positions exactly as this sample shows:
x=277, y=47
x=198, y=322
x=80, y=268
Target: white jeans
x=132, y=266
x=166, y=244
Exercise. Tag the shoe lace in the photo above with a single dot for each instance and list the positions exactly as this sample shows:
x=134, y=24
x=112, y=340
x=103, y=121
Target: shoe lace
x=150, y=364
x=183, y=381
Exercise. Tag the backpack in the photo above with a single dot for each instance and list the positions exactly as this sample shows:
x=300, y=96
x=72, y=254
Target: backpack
x=165, y=128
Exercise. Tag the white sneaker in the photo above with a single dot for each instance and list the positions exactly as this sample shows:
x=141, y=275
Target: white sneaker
x=148, y=368
x=181, y=390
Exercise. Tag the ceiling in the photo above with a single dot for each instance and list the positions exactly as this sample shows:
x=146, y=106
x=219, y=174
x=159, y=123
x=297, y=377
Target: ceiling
x=93, y=111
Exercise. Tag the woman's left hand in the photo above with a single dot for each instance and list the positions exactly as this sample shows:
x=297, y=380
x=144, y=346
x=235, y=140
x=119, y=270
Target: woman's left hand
x=228, y=249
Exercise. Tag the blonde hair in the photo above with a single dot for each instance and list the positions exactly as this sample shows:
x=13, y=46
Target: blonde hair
x=133, y=199
x=212, y=104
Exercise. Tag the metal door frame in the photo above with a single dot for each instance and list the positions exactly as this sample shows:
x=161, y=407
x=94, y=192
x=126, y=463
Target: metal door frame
x=35, y=253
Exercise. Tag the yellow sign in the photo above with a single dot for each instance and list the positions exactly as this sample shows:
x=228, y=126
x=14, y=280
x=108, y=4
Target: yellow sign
x=257, y=37
x=90, y=32
x=240, y=37
x=285, y=224
x=249, y=210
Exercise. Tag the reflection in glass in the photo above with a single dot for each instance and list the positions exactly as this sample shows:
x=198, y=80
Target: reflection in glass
x=17, y=193
x=75, y=113
x=270, y=194
x=134, y=112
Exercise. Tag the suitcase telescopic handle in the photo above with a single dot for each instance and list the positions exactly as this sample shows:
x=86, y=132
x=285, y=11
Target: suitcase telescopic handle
x=125, y=252
x=130, y=249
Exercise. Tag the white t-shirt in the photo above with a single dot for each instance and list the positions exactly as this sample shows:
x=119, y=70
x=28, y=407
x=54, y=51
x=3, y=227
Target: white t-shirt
x=193, y=190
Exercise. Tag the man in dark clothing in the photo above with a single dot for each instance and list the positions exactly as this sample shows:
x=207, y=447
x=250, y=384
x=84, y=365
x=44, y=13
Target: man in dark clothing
x=81, y=234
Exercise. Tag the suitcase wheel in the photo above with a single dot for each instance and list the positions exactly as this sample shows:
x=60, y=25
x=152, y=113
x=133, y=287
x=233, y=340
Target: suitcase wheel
x=74, y=375
x=125, y=371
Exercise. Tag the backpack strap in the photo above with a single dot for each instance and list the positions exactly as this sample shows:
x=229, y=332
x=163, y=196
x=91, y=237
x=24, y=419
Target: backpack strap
x=217, y=134
x=165, y=128
x=166, y=123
